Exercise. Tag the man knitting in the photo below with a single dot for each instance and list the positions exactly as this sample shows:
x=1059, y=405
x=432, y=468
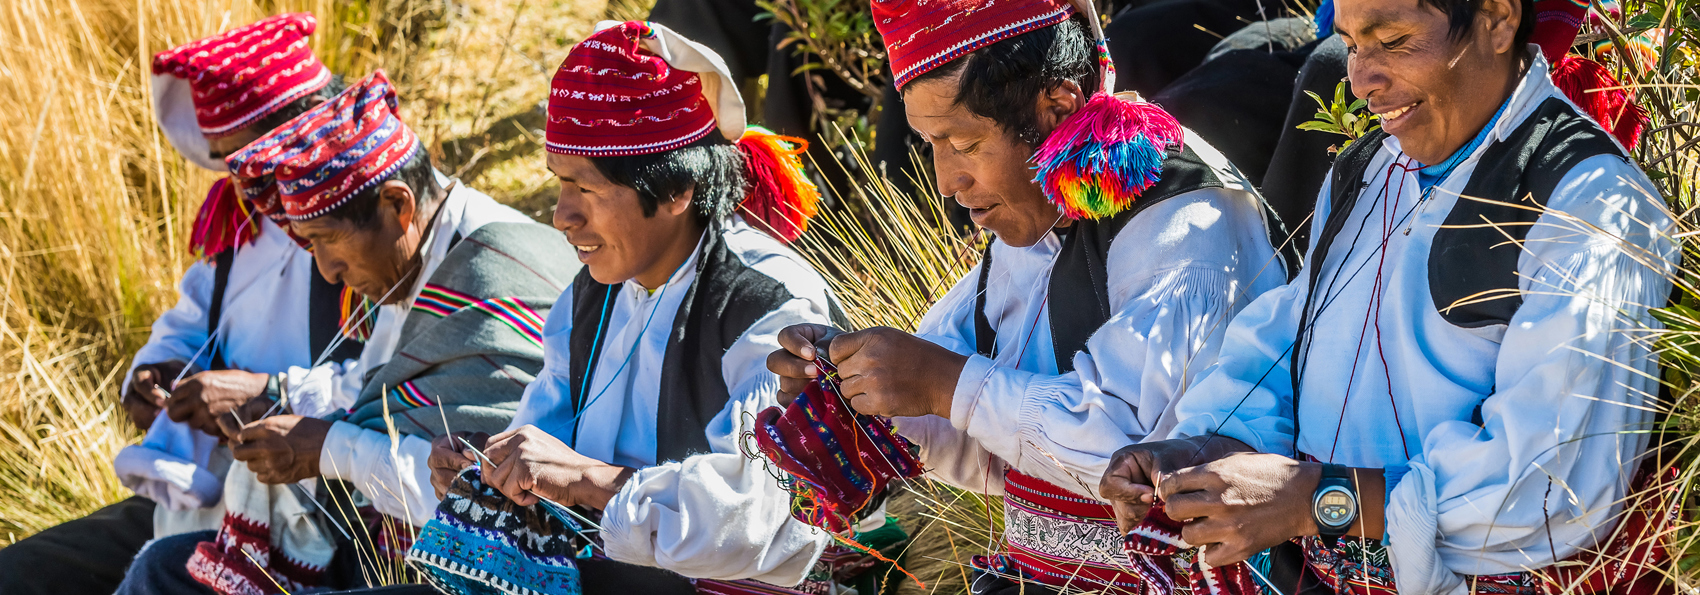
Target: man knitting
x=1455, y=390
x=654, y=355
x=249, y=307
x=461, y=283
x=1095, y=306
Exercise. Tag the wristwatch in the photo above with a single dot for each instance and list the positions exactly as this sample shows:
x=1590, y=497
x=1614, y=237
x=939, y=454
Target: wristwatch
x=1335, y=505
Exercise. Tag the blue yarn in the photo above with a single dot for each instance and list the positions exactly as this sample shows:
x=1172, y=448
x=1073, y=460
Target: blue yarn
x=1325, y=19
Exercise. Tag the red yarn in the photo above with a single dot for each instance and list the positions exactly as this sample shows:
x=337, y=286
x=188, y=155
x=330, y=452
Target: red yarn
x=1591, y=87
x=781, y=198
x=225, y=220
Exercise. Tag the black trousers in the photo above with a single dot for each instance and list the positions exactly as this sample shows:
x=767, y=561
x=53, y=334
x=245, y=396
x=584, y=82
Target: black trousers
x=84, y=556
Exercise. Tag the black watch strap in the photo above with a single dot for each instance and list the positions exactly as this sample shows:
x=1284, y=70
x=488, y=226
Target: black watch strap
x=1334, y=506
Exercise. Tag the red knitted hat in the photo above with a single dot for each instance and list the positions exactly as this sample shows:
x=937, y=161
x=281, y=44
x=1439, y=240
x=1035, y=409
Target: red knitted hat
x=332, y=152
x=922, y=34
x=635, y=88
x=245, y=73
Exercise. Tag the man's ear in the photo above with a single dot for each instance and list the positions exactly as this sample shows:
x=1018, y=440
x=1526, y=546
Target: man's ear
x=1058, y=103
x=1501, y=18
x=396, y=197
x=681, y=203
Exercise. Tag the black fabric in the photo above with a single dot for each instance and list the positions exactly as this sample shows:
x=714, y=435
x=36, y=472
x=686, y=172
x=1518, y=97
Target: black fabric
x=1476, y=249
x=725, y=26
x=85, y=556
x=1153, y=44
x=215, y=308
x=1300, y=160
x=1237, y=103
x=726, y=298
x=1079, y=286
x=163, y=567
x=986, y=583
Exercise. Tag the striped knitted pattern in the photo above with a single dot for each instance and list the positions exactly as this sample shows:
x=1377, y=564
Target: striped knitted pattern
x=243, y=74
x=408, y=394
x=441, y=301
x=922, y=34
x=332, y=152
x=612, y=96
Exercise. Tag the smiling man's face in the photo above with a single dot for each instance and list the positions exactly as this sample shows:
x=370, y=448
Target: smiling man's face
x=1433, y=91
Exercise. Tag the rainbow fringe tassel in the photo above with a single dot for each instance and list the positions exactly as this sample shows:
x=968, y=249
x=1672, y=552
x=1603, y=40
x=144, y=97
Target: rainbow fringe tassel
x=781, y=198
x=1102, y=157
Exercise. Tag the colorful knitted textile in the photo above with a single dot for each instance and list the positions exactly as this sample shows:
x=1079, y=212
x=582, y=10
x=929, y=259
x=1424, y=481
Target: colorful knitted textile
x=481, y=543
x=245, y=73
x=1357, y=566
x=1587, y=83
x=332, y=152
x=269, y=539
x=634, y=89
x=1159, y=555
x=840, y=461
x=920, y=35
x=1058, y=538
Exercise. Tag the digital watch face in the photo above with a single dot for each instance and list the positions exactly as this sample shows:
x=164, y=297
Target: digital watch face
x=1335, y=507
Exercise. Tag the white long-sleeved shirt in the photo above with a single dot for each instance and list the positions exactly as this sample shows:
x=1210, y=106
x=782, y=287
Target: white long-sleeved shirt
x=1177, y=272
x=718, y=515
x=397, y=480
x=1482, y=418
x=263, y=328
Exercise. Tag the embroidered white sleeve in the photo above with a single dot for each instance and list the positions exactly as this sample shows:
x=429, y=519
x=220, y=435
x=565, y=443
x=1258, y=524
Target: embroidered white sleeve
x=721, y=515
x=1561, y=431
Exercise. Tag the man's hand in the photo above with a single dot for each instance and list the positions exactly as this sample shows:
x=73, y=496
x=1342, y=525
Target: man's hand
x=530, y=463
x=1243, y=504
x=256, y=408
x=199, y=400
x=447, y=460
x=795, y=361
x=885, y=371
x=282, y=448
x=1130, y=482
x=148, y=390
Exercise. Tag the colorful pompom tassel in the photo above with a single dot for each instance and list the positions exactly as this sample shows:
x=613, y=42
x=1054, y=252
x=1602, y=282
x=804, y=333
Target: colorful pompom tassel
x=1098, y=161
x=781, y=198
x=223, y=222
x=1591, y=87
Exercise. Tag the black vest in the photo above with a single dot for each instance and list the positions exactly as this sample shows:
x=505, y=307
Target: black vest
x=1509, y=188
x=721, y=304
x=324, y=315
x=1079, y=287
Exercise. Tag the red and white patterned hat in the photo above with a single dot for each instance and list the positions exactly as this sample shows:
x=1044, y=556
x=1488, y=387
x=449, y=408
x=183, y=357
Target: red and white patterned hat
x=215, y=86
x=332, y=152
x=636, y=88
x=920, y=35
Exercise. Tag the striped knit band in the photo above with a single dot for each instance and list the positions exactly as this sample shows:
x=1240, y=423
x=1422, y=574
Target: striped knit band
x=246, y=73
x=921, y=35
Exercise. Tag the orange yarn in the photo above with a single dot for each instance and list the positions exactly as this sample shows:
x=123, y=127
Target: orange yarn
x=781, y=199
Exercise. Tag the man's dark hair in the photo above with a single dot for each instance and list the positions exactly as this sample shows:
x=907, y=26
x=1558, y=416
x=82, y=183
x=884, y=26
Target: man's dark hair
x=417, y=173
x=713, y=165
x=1003, y=81
x=289, y=111
x=1461, y=14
